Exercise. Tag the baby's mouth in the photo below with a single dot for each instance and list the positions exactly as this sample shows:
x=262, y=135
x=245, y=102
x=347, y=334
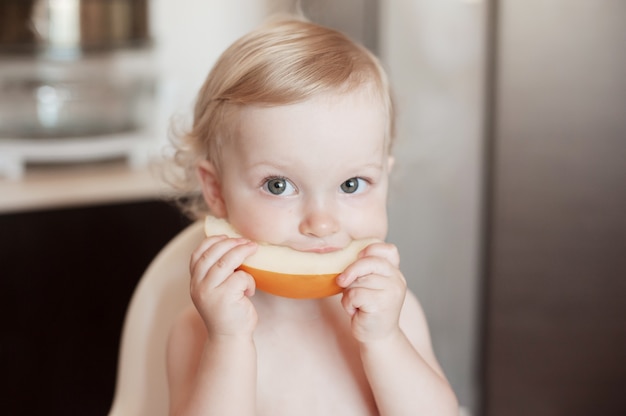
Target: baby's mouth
x=322, y=250
x=319, y=246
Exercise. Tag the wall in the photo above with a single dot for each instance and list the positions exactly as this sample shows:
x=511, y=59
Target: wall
x=189, y=36
x=434, y=51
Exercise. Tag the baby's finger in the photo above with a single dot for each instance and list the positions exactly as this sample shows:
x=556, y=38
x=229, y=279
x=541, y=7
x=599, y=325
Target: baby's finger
x=370, y=281
x=384, y=250
x=240, y=282
x=204, y=246
x=228, y=262
x=366, y=266
x=355, y=299
x=214, y=249
x=206, y=254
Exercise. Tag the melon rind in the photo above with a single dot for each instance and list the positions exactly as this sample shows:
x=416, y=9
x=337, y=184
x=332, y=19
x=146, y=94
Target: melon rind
x=284, y=271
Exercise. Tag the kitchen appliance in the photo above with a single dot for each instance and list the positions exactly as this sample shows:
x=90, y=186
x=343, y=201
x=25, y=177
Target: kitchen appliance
x=76, y=81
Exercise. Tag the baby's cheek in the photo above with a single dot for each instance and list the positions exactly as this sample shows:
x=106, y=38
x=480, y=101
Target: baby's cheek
x=262, y=229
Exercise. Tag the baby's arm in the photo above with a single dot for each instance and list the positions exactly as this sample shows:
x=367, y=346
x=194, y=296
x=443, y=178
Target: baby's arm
x=392, y=332
x=405, y=377
x=211, y=354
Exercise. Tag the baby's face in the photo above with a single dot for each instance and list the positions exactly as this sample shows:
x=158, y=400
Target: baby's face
x=311, y=176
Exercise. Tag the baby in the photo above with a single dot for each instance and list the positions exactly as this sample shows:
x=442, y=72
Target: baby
x=291, y=145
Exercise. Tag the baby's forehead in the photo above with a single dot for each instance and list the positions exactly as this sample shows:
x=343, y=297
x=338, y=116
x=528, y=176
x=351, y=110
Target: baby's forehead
x=365, y=95
x=325, y=128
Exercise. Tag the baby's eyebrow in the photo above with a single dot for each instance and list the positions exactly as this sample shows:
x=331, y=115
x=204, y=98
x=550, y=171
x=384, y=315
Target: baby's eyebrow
x=270, y=165
x=374, y=166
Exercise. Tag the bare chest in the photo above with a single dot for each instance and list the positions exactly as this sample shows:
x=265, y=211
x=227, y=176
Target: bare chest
x=311, y=369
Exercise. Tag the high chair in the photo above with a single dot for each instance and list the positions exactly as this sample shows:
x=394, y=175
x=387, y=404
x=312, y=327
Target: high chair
x=162, y=292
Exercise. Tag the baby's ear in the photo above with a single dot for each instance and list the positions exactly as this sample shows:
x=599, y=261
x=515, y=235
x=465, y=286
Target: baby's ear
x=211, y=188
x=390, y=162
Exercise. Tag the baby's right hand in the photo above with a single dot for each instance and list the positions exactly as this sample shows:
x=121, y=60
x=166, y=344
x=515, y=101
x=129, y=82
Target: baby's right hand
x=219, y=293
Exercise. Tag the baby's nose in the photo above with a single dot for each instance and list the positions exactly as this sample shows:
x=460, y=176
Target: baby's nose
x=319, y=223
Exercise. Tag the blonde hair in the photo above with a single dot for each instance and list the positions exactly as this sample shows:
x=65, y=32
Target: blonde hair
x=283, y=62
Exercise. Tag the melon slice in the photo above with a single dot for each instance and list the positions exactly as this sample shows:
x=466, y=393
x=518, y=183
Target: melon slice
x=283, y=271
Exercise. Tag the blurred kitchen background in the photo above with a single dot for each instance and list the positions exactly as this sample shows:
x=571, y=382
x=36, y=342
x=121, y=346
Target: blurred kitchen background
x=508, y=200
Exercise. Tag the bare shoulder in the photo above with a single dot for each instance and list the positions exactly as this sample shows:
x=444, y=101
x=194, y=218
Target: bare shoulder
x=184, y=349
x=415, y=326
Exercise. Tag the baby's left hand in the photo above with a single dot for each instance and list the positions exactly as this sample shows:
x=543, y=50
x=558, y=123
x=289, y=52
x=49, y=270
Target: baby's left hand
x=374, y=292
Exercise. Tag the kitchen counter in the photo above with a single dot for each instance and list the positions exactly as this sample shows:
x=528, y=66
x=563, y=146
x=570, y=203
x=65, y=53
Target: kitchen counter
x=68, y=185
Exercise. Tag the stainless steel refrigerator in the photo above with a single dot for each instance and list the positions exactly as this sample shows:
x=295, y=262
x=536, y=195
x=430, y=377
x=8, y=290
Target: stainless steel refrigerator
x=555, y=246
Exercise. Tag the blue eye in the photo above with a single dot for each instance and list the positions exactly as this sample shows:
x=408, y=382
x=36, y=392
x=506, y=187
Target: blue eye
x=353, y=185
x=279, y=186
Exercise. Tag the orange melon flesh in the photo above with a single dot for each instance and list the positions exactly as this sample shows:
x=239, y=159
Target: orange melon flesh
x=283, y=271
x=303, y=286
